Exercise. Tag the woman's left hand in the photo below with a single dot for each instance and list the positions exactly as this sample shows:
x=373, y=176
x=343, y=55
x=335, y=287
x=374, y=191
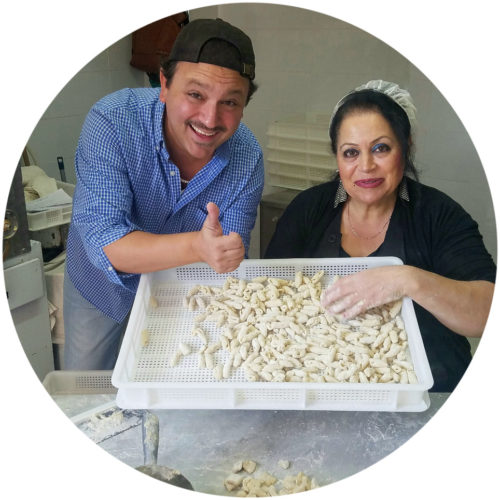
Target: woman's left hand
x=356, y=293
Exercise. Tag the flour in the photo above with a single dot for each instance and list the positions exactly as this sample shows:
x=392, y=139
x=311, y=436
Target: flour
x=103, y=425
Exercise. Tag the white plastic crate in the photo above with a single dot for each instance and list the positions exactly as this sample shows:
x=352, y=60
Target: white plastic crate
x=298, y=151
x=293, y=176
x=324, y=161
x=288, y=180
x=145, y=379
x=38, y=221
x=80, y=394
x=309, y=126
x=64, y=382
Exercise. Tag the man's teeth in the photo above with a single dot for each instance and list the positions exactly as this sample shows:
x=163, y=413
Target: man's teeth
x=202, y=132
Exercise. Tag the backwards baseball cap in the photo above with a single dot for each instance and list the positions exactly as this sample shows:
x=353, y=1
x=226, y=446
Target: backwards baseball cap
x=199, y=41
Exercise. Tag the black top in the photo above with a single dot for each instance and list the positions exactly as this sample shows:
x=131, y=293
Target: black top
x=431, y=232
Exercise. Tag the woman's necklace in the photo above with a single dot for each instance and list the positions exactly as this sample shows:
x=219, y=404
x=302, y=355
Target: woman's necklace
x=355, y=233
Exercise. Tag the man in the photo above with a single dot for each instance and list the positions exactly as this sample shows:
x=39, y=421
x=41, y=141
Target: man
x=165, y=177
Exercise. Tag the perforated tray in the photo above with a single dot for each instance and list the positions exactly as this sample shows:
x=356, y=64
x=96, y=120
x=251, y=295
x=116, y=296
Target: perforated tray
x=145, y=379
x=62, y=382
x=38, y=221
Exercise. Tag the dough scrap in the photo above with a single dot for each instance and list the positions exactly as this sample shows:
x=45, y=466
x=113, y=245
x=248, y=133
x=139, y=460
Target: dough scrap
x=265, y=484
x=233, y=481
x=284, y=464
x=249, y=466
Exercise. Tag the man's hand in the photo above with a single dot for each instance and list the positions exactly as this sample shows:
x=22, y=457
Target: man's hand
x=223, y=253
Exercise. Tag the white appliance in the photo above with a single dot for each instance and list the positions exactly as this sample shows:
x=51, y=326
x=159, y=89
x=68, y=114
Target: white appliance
x=27, y=297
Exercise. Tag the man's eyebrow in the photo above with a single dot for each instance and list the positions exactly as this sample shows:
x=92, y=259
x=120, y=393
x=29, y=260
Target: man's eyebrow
x=193, y=81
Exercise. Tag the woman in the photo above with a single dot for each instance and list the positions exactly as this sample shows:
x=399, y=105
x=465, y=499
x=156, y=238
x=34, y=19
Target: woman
x=375, y=206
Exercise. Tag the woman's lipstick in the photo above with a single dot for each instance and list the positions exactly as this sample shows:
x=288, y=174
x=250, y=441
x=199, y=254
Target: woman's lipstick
x=369, y=183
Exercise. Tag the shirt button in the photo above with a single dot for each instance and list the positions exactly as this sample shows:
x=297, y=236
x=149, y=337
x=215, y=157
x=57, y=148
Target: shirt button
x=110, y=268
x=172, y=173
x=157, y=148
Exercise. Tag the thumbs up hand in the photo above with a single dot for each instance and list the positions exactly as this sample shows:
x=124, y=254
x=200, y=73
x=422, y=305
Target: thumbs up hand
x=223, y=253
x=212, y=224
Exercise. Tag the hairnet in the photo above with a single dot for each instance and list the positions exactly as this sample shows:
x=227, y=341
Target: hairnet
x=400, y=96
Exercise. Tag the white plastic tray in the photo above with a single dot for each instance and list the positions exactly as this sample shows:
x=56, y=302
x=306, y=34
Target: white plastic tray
x=145, y=379
x=63, y=382
x=37, y=221
x=299, y=151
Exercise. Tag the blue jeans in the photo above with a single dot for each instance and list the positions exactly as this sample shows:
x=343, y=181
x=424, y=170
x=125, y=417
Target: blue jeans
x=92, y=339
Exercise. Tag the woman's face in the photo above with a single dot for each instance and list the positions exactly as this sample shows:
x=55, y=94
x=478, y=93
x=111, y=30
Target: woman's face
x=369, y=157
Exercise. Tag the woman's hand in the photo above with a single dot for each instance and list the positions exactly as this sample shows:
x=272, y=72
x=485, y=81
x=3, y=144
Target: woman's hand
x=354, y=294
x=462, y=306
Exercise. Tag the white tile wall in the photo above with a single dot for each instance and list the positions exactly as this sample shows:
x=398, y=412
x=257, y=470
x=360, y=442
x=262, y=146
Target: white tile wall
x=57, y=132
x=305, y=61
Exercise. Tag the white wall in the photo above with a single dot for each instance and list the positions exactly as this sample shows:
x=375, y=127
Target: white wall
x=57, y=132
x=305, y=61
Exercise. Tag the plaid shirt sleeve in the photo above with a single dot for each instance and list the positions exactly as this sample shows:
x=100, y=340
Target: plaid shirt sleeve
x=104, y=198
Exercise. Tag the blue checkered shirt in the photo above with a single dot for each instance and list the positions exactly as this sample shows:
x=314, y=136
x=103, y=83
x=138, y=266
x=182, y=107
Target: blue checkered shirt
x=126, y=182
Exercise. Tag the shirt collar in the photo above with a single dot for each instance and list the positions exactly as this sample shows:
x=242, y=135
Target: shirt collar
x=341, y=194
x=158, y=112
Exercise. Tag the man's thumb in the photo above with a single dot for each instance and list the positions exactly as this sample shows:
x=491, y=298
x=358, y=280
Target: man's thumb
x=212, y=220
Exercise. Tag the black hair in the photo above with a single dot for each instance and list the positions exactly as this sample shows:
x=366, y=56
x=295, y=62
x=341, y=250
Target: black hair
x=168, y=69
x=373, y=100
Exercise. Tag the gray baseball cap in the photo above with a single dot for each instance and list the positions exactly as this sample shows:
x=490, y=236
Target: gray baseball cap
x=199, y=41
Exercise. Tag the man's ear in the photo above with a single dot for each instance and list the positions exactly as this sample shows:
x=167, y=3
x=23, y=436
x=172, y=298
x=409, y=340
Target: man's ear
x=163, y=86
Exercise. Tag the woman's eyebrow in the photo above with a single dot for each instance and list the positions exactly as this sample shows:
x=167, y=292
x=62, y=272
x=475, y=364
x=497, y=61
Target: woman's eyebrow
x=381, y=137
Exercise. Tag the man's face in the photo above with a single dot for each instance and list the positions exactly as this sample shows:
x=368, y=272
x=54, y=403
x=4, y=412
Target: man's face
x=204, y=106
